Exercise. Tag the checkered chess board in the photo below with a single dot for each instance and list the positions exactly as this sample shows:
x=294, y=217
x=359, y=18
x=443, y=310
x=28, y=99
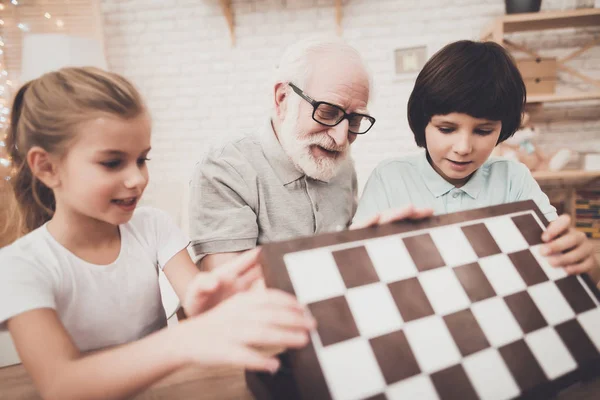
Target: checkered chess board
x=456, y=306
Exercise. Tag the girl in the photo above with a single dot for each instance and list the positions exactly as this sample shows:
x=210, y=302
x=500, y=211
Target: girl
x=468, y=98
x=85, y=277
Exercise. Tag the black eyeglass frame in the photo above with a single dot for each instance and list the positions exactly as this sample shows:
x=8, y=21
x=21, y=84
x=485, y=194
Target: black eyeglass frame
x=344, y=114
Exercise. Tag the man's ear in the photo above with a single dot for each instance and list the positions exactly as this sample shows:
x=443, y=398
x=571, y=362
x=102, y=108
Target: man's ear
x=43, y=166
x=281, y=94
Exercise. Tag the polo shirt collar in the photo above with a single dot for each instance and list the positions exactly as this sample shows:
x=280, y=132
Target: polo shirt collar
x=279, y=161
x=438, y=186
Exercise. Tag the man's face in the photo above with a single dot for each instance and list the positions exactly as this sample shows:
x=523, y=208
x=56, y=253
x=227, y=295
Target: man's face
x=317, y=150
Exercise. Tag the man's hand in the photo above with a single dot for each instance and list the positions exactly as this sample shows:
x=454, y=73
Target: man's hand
x=394, y=214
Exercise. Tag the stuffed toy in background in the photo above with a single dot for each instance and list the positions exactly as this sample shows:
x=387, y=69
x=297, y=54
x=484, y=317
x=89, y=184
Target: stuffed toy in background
x=521, y=147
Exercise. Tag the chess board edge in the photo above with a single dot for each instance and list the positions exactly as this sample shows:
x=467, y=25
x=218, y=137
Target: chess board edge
x=285, y=382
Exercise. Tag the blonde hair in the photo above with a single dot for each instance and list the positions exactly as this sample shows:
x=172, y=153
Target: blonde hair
x=46, y=112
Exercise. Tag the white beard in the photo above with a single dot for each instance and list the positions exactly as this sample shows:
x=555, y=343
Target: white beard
x=298, y=149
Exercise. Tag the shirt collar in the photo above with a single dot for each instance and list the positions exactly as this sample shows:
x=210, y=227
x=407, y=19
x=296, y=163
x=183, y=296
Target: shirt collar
x=438, y=186
x=279, y=161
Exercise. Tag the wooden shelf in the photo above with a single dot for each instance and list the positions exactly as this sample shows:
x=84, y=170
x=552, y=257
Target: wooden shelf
x=542, y=21
x=565, y=178
x=588, y=17
x=553, y=98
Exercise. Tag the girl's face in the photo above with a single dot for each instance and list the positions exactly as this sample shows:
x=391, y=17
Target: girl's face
x=104, y=172
x=459, y=144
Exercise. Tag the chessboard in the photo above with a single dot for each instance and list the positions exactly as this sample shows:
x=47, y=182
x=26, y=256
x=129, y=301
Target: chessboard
x=456, y=306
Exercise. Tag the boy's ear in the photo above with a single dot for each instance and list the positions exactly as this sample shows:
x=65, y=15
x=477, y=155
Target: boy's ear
x=43, y=166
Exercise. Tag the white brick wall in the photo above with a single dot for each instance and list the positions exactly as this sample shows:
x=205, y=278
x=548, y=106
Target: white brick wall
x=200, y=89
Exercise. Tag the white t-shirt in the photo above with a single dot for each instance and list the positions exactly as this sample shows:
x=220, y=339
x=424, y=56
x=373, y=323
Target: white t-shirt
x=100, y=305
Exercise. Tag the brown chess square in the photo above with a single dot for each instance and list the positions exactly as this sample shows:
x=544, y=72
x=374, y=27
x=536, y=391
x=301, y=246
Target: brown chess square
x=423, y=251
x=525, y=311
x=522, y=364
x=481, y=240
x=355, y=266
x=473, y=280
x=388, y=350
x=466, y=332
x=410, y=298
x=453, y=384
x=528, y=267
x=529, y=228
x=335, y=322
x=575, y=294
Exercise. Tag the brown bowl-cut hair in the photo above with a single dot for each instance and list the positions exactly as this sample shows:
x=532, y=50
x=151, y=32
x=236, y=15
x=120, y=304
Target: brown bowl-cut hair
x=475, y=78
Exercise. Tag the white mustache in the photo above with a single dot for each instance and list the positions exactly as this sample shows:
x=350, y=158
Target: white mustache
x=327, y=143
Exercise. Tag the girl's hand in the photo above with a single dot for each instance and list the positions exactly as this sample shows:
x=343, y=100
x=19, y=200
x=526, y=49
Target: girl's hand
x=246, y=330
x=567, y=247
x=207, y=289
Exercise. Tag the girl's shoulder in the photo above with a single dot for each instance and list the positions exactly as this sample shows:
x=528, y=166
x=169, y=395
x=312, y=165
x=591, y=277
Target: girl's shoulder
x=34, y=248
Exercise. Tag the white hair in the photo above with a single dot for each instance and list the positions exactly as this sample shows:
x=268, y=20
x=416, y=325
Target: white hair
x=297, y=62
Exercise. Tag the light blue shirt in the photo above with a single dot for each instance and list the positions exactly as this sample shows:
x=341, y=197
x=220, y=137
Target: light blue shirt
x=412, y=180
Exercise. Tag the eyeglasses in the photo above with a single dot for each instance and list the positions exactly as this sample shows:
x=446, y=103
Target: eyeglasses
x=331, y=115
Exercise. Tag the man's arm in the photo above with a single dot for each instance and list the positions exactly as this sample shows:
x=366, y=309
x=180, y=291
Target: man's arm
x=212, y=261
x=223, y=200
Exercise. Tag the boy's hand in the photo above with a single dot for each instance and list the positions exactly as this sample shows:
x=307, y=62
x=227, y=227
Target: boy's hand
x=567, y=247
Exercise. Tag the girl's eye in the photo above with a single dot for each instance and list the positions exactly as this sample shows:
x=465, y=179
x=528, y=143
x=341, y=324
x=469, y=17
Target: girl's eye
x=111, y=164
x=142, y=161
x=483, y=132
x=445, y=130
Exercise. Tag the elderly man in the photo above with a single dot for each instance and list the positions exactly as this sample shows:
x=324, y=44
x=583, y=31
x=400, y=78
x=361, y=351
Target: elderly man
x=295, y=176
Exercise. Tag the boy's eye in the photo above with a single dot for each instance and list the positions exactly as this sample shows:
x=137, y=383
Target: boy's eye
x=445, y=129
x=112, y=164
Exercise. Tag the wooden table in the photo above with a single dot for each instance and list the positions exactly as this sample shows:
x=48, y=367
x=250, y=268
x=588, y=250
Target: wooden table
x=205, y=384
x=190, y=383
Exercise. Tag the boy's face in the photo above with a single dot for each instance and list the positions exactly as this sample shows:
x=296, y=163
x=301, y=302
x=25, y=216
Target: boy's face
x=459, y=144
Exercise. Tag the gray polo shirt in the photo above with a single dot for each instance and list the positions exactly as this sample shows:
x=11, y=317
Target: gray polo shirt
x=248, y=193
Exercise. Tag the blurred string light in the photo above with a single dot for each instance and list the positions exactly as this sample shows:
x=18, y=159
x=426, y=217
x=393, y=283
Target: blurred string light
x=6, y=84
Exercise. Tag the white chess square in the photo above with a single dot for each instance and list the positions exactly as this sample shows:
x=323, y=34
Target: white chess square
x=496, y=321
x=550, y=352
x=453, y=245
x=351, y=370
x=417, y=387
x=431, y=343
x=553, y=273
x=490, y=376
x=506, y=234
x=590, y=322
x=552, y=304
x=314, y=275
x=502, y=274
x=391, y=259
x=444, y=291
x=374, y=310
